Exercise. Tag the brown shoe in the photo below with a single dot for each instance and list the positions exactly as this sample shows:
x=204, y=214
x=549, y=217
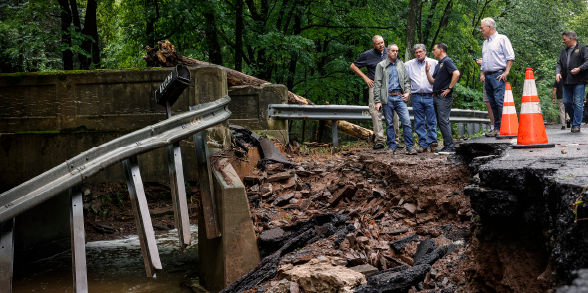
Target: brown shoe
x=575, y=129
x=492, y=133
x=411, y=151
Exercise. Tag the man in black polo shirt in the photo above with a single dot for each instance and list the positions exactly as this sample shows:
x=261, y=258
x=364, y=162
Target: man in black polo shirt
x=443, y=80
x=369, y=59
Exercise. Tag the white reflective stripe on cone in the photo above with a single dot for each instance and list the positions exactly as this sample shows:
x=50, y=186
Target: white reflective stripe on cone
x=529, y=88
x=530, y=108
x=509, y=110
x=508, y=97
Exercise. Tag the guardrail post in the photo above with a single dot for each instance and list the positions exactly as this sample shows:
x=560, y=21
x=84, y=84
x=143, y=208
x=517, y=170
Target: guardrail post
x=470, y=129
x=6, y=255
x=460, y=130
x=78, y=240
x=209, y=211
x=334, y=131
x=178, y=191
x=142, y=217
x=477, y=127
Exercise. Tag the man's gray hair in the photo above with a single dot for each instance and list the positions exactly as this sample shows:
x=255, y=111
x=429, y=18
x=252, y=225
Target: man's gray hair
x=377, y=37
x=489, y=22
x=390, y=46
x=570, y=34
x=419, y=46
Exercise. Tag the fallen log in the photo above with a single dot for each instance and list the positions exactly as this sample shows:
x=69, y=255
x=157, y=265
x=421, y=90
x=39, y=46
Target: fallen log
x=167, y=56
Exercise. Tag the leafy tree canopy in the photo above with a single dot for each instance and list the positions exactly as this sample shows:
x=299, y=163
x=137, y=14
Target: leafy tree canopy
x=307, y=45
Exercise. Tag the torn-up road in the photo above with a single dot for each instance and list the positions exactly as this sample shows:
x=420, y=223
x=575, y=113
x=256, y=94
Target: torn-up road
x=361, y=220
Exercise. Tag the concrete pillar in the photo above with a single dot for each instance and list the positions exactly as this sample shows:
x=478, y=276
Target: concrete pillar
x=225, y=259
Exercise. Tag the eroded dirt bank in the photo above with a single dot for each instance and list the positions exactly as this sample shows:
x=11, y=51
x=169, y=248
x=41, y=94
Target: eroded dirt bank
x=395, y=218
x=370, y=221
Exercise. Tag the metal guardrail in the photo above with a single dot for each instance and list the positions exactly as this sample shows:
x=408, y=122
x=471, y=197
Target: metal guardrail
x=471, y=119
x=70, y=175
x=88, y=163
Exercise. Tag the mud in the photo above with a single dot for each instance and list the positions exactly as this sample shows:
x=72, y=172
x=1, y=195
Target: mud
x=496, y=225
x=393, y=204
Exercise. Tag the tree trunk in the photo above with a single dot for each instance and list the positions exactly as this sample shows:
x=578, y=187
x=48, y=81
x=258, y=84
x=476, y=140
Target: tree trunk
x=414, y=12
x=67, y=54
x=166, y=56
x=90, y=44
x=214, y=49
x=150, y=26
x=293, y=60
x=238, y=35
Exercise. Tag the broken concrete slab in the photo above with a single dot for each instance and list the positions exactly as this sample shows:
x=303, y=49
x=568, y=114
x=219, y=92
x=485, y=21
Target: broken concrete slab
x=365, y=269
x=279, y=176
x=322, y=276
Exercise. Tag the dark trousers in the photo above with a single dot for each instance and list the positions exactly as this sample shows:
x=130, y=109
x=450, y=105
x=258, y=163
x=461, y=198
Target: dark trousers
x=495, y=92
x=442, y=110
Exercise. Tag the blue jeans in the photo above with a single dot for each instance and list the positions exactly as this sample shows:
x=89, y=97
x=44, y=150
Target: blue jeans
x=395, y=103
x=573, y=99
x=425, y=122
x=495, y=93
x=443, y=109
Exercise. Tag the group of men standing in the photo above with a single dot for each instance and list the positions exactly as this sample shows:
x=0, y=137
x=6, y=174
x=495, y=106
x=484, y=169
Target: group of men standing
x=429, y=83
x=391, y=83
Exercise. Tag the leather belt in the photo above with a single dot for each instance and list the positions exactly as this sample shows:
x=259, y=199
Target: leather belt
x=395, y=93
x=492, y=72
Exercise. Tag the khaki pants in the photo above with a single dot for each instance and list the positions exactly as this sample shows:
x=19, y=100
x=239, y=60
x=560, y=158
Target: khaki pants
x=379, y=137
x=562, y=112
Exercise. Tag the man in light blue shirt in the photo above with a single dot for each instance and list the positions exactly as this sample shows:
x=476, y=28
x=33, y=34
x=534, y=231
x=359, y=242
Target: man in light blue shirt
x=497, y=59
x=423, y=108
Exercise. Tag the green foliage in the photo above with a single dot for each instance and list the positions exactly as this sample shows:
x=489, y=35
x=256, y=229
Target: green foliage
x=307, y=45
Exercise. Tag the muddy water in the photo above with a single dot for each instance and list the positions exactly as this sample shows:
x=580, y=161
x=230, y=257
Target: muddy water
x=114, y=266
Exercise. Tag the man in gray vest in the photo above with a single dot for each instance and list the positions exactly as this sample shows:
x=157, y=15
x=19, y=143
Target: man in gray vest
x=391, y=92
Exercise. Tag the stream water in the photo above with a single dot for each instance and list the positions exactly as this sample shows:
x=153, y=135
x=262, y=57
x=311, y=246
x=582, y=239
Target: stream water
x=114, y=266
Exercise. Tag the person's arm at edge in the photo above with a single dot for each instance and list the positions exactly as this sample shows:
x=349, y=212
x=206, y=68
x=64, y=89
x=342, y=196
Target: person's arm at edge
x=454, y=78
x=406, y=86
x=429, y=77
x=358, y=71
x=377, y=86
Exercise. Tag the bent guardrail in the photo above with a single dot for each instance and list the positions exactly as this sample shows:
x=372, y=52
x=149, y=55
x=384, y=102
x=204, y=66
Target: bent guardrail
x=472, y=119
x=71, y=174
x=88, y=163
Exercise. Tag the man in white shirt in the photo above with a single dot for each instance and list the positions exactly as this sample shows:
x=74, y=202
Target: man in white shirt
x=497, y=59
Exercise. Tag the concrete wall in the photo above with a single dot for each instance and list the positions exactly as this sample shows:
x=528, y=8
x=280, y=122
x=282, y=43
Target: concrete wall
x=47, y=118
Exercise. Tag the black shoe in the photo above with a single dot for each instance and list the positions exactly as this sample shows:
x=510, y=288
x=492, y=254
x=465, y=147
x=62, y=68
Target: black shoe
x=563, y=127
x=398, y=146
x=378, y=146
x=575, y=129
x=568, y=124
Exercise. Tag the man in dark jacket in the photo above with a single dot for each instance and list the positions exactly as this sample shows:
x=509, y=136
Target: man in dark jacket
x=572, y=68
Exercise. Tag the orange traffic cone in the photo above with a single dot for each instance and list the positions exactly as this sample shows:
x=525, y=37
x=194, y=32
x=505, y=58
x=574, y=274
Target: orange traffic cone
x=531, y=128
x=509, y=125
